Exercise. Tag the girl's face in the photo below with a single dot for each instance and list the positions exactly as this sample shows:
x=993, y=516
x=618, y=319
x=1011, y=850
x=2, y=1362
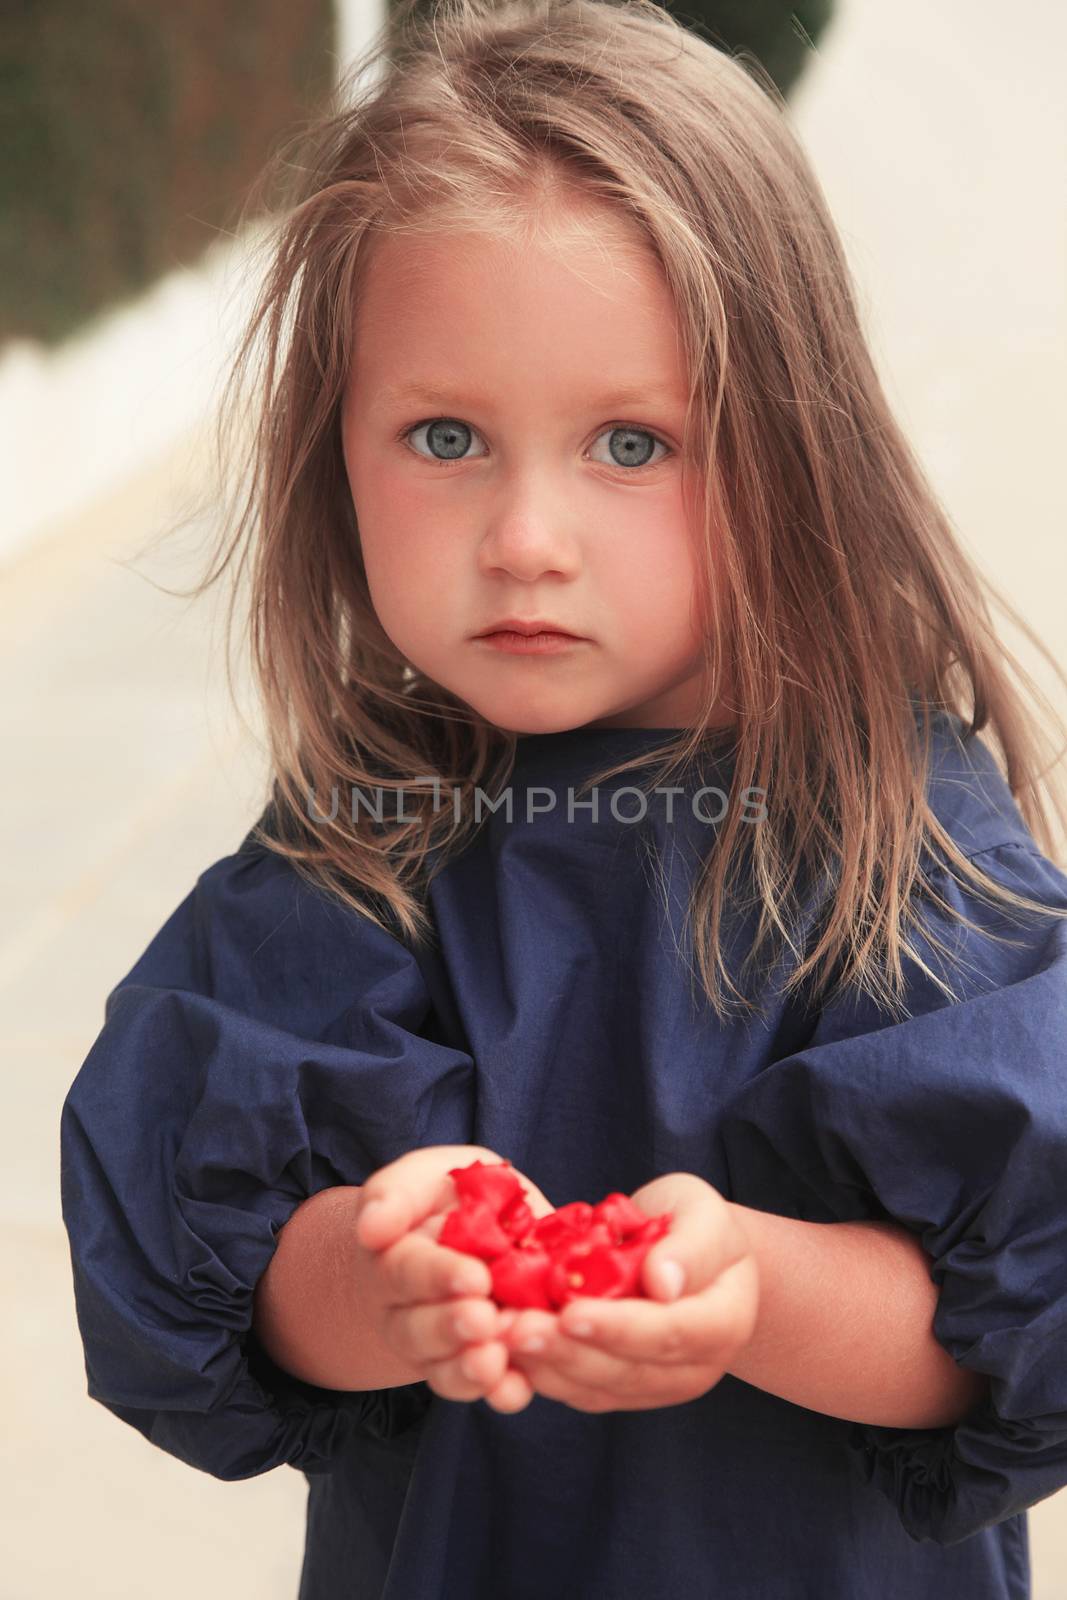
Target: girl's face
x=512, y=436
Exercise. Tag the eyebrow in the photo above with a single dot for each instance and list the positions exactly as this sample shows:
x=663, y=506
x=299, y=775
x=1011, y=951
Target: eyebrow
x=438, y=395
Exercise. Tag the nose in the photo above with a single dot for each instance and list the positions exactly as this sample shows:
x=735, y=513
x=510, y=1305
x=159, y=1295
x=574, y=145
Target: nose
x=528, y=539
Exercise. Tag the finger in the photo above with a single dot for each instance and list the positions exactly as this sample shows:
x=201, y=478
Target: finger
x=648, y=1390
x=691, y=1329
x=384, y=1217
x=704, y=1237
x=418, y=1270
x=592, y=1379
x=501, y=1386
x=513, y=1392
x=469, y=1375
x=435, y=1332
x=402, y=1194
x=573, y=1363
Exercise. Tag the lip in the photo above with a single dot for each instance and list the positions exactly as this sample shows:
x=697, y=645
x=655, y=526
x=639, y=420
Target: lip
x=530, y=644
x=529, y=625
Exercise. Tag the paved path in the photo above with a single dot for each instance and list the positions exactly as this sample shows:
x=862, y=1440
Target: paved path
x=927, y=126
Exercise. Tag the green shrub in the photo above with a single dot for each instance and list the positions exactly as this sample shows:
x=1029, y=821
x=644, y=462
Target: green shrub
x=779, y=35
x=132, y=131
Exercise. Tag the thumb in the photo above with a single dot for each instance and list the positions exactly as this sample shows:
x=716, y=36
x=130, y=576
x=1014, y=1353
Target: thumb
x=663, y=1270
x=400, y=1196
x=696, y=1247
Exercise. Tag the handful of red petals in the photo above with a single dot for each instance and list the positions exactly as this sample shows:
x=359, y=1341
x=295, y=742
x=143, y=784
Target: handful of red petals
x=580, y=1249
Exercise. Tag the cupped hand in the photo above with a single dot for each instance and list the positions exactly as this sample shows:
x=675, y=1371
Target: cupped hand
x=434, y=1305
x=642, y=1353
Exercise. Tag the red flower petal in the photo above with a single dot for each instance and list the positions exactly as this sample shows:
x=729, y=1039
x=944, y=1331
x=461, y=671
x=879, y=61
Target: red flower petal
x=577, y=1250
x=517, y=1219
x=652, y=1228
x=497, y=1183
x=564, y=1225
x=519, y=1278
x=472, y=1227
x=621, y=1215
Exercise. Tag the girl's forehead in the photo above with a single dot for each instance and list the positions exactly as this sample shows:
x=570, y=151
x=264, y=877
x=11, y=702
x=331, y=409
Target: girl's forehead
x=441, y=311
x=434, y=273
x=560, y=221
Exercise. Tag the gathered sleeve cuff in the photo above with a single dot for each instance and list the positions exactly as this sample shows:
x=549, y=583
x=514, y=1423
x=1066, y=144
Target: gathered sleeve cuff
x=952, y=1123
x=266, y=1045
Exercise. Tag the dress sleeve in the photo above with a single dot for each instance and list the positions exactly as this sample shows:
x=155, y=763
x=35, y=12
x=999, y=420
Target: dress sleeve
x=952, y=1123
x=265, y=1045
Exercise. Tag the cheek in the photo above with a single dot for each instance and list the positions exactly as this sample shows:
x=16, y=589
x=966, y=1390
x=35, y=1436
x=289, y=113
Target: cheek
x=405, y=587
x=401, y=542
x=653, y=573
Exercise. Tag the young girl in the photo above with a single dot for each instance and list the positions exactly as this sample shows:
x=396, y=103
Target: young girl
x=572, y=466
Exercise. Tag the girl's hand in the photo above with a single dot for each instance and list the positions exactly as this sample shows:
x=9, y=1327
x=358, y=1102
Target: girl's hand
x=429, y=1303
x=641, y=1354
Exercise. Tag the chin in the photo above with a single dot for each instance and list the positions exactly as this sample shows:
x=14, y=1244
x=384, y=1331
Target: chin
x=527, y=721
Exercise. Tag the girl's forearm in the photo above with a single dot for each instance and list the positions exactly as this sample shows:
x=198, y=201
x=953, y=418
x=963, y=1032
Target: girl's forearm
x=845, y=1324
x=309, y=1305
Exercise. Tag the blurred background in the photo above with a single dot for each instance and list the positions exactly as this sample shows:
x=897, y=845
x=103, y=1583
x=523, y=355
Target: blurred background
x=133, y=132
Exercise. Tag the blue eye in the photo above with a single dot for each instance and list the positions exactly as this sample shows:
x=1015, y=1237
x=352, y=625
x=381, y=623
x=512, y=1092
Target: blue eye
x=631, y=452
x=452, y=437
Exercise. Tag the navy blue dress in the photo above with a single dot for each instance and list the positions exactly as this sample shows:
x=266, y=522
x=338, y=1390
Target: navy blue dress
x=270, y=1042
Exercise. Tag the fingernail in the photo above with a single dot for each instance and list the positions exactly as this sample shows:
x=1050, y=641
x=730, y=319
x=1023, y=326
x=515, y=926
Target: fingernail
x=672, y=1278
x=532, y=1344
x=580, y=1330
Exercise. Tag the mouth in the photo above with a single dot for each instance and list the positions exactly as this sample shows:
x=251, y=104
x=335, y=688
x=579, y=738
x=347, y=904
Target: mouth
x=529, y=629
x=544, y=642
x=527, y=633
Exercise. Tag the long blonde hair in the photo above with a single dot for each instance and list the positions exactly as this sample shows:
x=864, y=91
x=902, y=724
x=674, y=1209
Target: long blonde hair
x=847, y=612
